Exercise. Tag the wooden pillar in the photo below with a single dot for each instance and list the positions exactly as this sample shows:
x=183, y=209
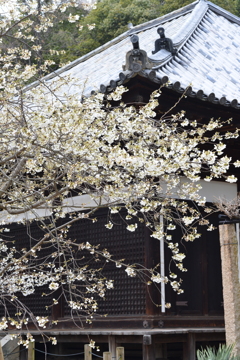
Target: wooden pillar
x=148, y=348
x=87, y=352
x=120, y=353
x=107, y=356
x=231, y=285
x=189, y=348
x=148, y=352
x=1, y=352
x=112, y=345
x=31, y=350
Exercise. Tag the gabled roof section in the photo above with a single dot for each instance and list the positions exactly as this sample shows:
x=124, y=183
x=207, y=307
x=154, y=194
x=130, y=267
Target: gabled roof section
x=206, y=62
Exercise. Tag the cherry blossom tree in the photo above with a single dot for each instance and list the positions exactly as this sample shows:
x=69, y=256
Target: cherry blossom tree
x=64, y=156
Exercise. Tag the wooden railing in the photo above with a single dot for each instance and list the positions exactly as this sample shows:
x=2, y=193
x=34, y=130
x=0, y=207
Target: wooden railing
x=88, y=355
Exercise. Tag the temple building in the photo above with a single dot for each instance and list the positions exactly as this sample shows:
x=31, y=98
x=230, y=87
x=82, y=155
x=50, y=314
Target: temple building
x=194, y=54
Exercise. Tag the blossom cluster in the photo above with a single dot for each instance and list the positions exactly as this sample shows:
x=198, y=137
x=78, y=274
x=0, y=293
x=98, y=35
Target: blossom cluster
x=118, y=156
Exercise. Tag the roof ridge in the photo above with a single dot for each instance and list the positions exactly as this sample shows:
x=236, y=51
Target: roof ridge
x=183, y=34
x=227, y=14
x=191, y=23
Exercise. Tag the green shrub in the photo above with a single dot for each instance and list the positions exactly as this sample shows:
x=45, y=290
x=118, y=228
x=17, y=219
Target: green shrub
x=224, y=352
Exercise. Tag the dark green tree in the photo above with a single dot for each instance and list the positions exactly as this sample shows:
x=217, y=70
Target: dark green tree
x=170, y=5
x=111, y=18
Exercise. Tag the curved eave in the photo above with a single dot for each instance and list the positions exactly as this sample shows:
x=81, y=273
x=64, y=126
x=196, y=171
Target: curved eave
x=125, y=76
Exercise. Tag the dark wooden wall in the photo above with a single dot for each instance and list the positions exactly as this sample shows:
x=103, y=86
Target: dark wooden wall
x=202, y=282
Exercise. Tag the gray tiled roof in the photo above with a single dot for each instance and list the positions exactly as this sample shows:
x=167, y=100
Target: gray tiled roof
x=207, y=39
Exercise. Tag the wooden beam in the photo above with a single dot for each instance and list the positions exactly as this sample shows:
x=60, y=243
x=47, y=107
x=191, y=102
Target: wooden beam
x=211, y=337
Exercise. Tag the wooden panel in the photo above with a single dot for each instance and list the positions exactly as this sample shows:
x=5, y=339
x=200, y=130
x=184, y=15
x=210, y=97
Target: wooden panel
x=202, y=283
x=128, y=295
